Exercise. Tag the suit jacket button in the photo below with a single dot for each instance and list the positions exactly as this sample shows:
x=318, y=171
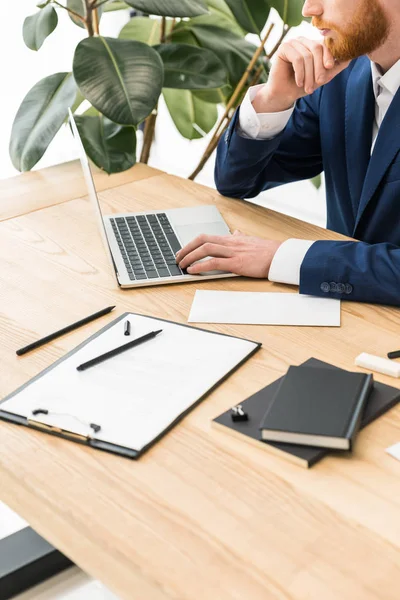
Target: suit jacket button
x=325, y=287
x=333, y=286
x=340, y=288
x=348, y=288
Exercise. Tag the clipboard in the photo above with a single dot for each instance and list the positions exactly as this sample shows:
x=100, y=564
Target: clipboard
x=71, y=417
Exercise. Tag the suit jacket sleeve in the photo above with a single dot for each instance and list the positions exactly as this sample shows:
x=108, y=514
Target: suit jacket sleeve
x=245, y=167
x=352, y=271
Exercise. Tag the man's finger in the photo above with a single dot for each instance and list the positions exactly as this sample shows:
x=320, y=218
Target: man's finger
x=290, y=55
x=317, y=51
x=213, y=264
x=199, y=241
x=207, y=249
x=329, y=61
x=320, y=72
x=308, y=61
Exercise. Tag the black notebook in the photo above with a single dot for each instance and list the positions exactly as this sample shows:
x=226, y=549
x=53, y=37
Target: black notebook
x=382, y=398
x=317, y=407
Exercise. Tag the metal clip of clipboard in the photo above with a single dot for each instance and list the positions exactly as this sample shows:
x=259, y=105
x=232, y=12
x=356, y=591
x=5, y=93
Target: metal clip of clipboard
x=53, y=429
x=59, y=430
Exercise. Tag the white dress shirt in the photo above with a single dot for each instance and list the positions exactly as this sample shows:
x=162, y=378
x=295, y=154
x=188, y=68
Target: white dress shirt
x=285, y=266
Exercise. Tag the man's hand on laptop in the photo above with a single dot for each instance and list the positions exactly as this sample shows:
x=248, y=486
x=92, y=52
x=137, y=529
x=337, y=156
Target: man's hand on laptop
x=300, y=66
x=238, y=253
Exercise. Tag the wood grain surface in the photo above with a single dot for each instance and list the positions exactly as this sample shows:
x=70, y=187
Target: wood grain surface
x=201, y=515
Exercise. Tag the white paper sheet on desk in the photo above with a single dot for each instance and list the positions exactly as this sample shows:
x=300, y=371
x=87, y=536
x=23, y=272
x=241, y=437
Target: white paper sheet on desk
x=394, y=450
x=264, y=308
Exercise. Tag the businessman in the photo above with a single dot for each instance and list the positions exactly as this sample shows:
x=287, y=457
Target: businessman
x=331, y=106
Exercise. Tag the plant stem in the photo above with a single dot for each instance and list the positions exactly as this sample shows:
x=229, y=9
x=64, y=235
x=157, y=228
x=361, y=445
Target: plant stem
x=89, y=18
x=257, y=76
x=163, y=30
x=95, y=15
x=208, y=152
x=149, y=128
x=150, y=123
x=168, y=37
x=225, y=117
x=285, y=31
x=72, y=12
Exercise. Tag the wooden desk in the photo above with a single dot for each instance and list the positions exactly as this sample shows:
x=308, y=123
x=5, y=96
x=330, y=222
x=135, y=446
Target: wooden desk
x=201, y=515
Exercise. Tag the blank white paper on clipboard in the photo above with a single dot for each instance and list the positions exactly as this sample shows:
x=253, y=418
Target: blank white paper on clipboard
x=138, y=394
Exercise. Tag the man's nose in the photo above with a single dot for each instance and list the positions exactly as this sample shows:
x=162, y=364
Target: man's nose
x=312, y=8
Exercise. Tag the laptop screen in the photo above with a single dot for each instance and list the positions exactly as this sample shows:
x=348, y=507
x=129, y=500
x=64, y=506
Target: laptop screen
x=87, y=173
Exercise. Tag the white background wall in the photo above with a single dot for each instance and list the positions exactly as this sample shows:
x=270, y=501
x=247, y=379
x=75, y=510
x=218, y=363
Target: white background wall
x=21, y=68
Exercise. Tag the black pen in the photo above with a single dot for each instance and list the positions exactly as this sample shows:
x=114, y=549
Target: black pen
x=127, y=330
x=394, y=354
x=119, y=350
x=67, y=329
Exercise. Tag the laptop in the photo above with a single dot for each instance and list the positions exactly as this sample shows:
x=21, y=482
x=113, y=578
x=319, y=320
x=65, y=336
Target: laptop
x=142, y=246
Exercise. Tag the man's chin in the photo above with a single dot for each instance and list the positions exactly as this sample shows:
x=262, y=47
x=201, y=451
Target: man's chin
x=338, y=51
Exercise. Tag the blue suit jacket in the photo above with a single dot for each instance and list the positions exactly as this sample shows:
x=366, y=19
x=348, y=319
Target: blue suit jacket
x=331, y=130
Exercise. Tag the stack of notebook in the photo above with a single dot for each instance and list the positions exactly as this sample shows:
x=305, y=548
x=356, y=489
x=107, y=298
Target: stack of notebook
x=314, y=409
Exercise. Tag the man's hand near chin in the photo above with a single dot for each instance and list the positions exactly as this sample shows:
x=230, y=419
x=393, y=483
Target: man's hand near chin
x=238, y=253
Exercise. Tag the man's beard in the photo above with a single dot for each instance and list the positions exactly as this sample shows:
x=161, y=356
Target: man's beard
x=368, y=31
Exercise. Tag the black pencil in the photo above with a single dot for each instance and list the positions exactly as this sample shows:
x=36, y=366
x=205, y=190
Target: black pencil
x=61, y=332
x=119, y=350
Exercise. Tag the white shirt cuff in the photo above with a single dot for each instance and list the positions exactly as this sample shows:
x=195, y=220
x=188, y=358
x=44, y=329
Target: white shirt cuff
x=262, y=126
x=285, y=266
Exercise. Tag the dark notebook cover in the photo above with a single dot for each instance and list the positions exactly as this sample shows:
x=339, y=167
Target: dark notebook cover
x=381, y=399
x=322, y=407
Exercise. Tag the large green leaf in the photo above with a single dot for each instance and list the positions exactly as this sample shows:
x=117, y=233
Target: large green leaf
x=121, y=78
x=182, y=35
x=250, y=14
x=193, y=117
x=39, y=117
x=234, y=51
x=220, y=15
x=219, y=6
x=215, y=96
x=289, y=11
x=111, y=147
x=190, y=68
x=76, y=104
x=170, y=8
x=79, y=98
x=116, y=5
x=144, y=29
x=38, y=26
x=78, y=6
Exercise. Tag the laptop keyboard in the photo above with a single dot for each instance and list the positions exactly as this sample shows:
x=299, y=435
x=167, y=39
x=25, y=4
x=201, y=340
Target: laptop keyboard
x=148, y=246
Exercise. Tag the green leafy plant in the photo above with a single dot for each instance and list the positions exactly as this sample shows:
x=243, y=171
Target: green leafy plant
x=193, y=52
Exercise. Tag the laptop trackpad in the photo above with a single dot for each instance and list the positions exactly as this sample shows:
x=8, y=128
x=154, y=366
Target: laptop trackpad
x=187, y=233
